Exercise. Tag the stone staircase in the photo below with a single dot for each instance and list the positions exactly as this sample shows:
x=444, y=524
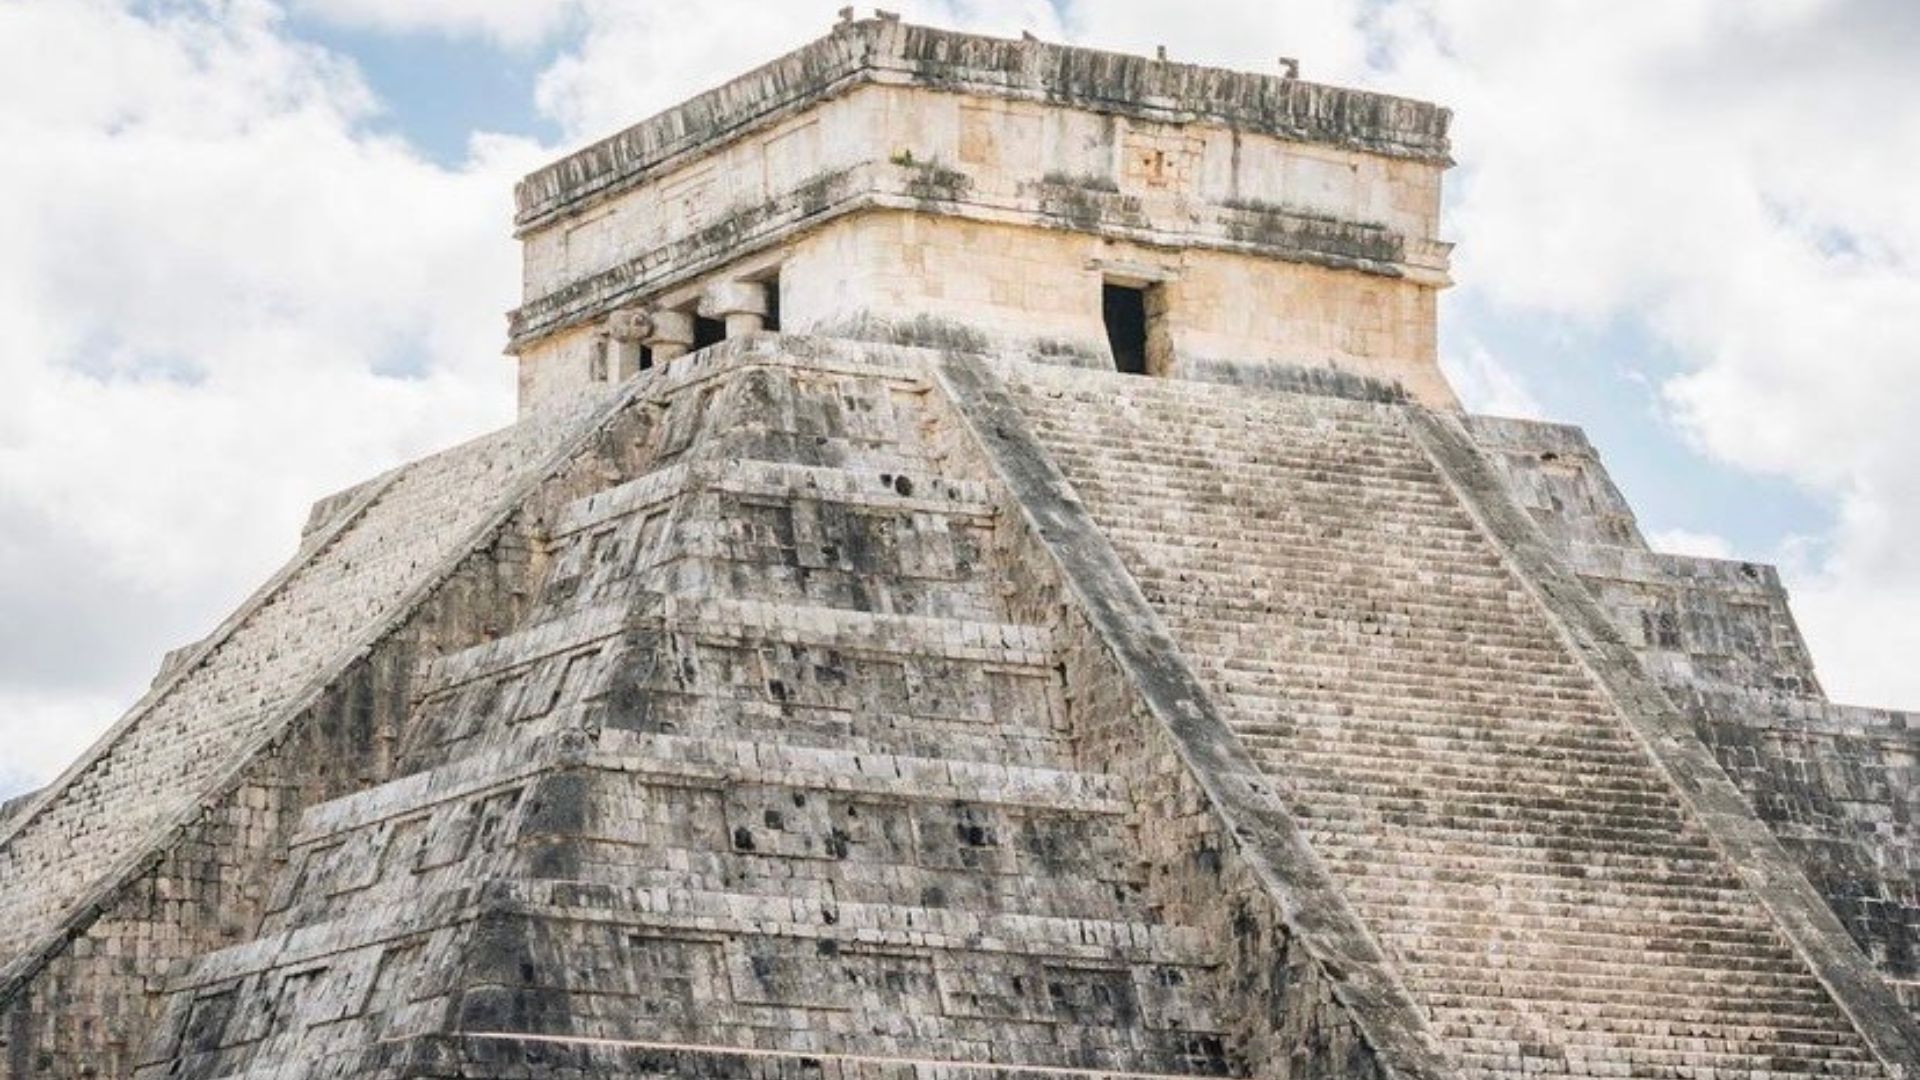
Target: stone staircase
x=349, y=578
x=1543, y=890
x=1836, y=783
x=768, y=781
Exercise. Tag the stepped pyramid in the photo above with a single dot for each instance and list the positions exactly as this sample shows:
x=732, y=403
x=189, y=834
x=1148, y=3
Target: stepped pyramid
x=988, y=582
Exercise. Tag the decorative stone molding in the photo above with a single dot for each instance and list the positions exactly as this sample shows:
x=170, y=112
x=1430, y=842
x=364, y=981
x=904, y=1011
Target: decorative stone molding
x=884, y=52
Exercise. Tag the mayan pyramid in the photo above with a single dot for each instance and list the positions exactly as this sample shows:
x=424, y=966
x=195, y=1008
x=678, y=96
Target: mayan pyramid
x=989, y=583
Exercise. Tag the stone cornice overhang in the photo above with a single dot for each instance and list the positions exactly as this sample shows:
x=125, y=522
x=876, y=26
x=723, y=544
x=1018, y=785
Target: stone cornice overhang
x=879, y=51
x=1258, y=230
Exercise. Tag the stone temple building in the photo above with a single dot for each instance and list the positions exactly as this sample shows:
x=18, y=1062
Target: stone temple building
x=988, y=582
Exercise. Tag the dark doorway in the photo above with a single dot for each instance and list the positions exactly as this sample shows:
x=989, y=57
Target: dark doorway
x=773, y=301
x=1125, y=310
x=708, y=331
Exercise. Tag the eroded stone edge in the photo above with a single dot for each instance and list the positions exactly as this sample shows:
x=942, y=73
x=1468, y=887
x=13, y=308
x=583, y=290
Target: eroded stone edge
x=888, y=52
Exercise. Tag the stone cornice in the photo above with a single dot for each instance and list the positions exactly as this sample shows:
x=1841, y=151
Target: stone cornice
x=877, y=51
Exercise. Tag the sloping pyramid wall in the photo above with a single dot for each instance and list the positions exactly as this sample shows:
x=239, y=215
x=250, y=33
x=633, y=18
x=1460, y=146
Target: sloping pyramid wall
x=816, y=709
x=773, y=779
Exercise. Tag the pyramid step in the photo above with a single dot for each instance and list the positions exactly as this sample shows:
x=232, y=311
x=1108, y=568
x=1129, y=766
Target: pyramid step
x=996, y=642
x=729, y=761
x=1783, y=1011
x=864, y=486
x=865, y=978
x=1618, y=952
x=938, y=710
x=529, y=1055
x=716, y=617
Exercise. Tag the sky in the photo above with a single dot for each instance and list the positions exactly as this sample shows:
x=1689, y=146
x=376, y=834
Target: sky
x=253, y=251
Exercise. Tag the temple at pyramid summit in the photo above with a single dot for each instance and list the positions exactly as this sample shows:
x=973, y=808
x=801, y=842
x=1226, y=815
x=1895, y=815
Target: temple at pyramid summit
x=988, y=582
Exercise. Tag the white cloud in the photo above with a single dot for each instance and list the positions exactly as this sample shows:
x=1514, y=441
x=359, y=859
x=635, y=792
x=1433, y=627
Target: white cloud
x=222, y=300
x=43, y=744
x=1687, y=542
x=1485, y=384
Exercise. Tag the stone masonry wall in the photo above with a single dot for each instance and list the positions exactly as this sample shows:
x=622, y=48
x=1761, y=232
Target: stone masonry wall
x=87, y=1009
x=1033, y=292
x=994, y=159
x=1840, y=786
x=816, y=708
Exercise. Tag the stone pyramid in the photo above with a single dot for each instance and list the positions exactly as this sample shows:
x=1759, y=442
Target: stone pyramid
x=878, y=698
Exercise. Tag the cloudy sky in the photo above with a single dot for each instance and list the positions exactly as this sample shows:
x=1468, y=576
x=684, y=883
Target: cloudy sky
x=254, y=251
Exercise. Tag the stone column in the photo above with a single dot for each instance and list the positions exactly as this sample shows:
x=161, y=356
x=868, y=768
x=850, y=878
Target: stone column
x=670, y=334
x=627, y=331
x=743, y=304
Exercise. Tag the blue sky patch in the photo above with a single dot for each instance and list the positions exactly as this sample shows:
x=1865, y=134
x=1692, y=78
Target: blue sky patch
x=1606, y=378
x=439, y=90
